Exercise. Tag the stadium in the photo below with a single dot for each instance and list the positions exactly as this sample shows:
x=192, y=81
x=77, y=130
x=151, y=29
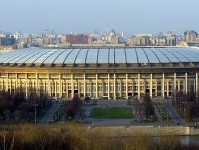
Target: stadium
x=103, y=73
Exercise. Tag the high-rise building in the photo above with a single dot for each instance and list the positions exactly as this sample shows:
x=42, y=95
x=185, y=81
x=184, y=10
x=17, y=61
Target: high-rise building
x=190, y=36
x=171, y=40
x=160, y=41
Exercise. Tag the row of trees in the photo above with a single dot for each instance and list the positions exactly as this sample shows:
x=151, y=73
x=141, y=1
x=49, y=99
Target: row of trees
x=14, y=107
x=187, y=103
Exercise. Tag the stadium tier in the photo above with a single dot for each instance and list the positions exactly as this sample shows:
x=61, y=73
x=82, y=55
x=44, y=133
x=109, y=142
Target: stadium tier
x=101, y=73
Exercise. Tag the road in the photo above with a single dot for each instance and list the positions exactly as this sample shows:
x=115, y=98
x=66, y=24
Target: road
x=173, y=114
x=49, y=115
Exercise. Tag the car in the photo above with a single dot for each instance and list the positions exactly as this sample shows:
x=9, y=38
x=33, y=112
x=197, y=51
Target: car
x=177, y=123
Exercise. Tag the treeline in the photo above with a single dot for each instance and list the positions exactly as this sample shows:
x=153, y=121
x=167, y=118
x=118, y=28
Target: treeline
x=188, y=104
x=74, y=137
x=14, y=107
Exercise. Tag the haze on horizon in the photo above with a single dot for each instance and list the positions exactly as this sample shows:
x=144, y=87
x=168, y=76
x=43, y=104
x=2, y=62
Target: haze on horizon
x=131, y=16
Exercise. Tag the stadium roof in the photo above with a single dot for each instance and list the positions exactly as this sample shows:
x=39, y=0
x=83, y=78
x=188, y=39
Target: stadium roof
x=128, y=57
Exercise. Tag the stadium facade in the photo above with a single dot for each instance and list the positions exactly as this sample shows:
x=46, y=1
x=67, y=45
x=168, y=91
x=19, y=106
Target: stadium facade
x=101, y=73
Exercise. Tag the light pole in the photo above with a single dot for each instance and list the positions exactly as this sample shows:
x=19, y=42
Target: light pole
x=184, y=110
x=35, y=105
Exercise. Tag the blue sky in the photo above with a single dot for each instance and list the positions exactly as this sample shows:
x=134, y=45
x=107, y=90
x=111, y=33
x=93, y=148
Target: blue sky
x=79, y=16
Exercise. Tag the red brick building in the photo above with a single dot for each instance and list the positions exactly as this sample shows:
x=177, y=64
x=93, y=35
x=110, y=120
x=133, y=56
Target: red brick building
x=77, y=39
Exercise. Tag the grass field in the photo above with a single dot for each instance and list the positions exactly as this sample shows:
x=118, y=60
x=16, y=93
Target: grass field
x=108, y=113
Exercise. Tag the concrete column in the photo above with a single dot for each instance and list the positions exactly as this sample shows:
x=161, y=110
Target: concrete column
x=138, y=85
x=49, y=85
x=66, y=83
x=78, y=87
x=163, y=85
x=114, y=86
x=37, y=87
x=60, y=86
x=174, y=82
x=26, y=85
x=55, y=88
x=156, y=83
x=167, y=88
x=186, y=83
x=197, y=85
x=91, y=90
x=84, y=85
x=102, y=88
x=132, y=87
x=96, y=80
x=16, y=85
x=72, y=86
x=183, y=85
x=108, y=86
x=7, y=80
x=151, y=86
x=121, y=88
x=126, y=86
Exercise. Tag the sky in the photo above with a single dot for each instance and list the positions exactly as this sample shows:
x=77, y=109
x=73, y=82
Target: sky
x=80, y=16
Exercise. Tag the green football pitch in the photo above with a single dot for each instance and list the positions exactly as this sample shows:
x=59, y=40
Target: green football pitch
x=110, y=113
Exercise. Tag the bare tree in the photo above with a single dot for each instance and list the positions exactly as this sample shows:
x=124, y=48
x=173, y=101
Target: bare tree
x=74, y=108
x=148, y=106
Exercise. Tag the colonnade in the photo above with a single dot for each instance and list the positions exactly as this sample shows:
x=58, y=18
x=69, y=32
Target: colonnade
x=110, y=86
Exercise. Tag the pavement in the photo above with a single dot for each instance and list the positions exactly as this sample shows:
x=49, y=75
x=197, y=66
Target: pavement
x=118, y=122
x=123, y=103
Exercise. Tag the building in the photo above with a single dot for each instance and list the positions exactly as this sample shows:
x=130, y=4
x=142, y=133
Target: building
x=171, y=40
x=77, y=39
x=115, y=40
x=101, y=73
x=160, y=40
x=134, y=41
x=7, y=41
x=138, y=41
x=190, y=36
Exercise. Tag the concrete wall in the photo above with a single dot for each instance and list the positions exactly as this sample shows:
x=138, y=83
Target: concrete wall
x=145, y=130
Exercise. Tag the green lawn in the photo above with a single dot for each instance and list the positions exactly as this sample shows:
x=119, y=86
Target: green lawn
x=108, y=113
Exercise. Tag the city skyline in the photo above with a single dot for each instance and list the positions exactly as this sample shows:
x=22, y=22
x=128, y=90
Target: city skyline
x=87, y=16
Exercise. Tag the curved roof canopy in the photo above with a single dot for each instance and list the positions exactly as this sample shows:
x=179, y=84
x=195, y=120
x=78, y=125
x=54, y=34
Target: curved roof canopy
x=129, y=57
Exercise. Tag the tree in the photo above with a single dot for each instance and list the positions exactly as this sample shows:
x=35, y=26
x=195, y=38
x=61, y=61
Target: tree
x=73, y=107
x=7, y=115
x=15, y=107
x=148, y=106
x=189, y=111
